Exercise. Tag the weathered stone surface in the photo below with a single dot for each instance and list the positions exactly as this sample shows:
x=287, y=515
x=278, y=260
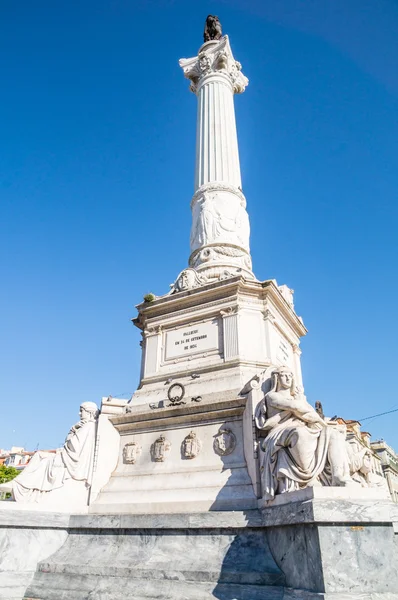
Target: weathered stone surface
x=328, y=504
x=83, y=588
x=142, y=562
x=20, y=515
x=13, y=585
x=304, y=595
x=225, y=520
x=21, y=549
x=336, y=558
x=225, y=555
x=328, y=541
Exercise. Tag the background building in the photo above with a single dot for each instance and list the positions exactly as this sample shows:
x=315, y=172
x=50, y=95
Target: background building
x=389, y=463
x=17, y=457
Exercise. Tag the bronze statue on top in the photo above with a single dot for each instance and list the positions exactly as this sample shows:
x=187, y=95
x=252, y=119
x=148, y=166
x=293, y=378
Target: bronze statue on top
x=213, y=29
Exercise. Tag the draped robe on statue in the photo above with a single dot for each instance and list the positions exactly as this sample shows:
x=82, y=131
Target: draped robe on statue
x=48, y=471
x=294, y=452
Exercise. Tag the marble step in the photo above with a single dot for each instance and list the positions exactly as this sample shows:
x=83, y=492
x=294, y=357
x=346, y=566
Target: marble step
x=56, y=586
x=182, y=563
x=162, y=572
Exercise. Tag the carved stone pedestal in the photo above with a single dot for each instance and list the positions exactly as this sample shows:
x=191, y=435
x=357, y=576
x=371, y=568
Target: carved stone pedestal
x=308, y=548
x=191, y=458
x=185, y=440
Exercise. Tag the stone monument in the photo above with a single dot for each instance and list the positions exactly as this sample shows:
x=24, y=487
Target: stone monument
x=218, y=479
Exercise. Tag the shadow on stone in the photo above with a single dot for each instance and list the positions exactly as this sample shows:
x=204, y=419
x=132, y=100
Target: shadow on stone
x=248, y=570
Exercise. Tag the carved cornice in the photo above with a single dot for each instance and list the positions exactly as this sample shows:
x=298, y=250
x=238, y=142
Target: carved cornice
x=214, y=58
x=154, y=330
x=207, y=309
x=215, y=293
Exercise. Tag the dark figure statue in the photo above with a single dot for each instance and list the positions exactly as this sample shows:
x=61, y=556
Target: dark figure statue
x=213, y=29
x=319, y=409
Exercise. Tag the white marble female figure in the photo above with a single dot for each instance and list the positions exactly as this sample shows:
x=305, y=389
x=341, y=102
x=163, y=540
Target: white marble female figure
x=301, y=449
x=47, y=471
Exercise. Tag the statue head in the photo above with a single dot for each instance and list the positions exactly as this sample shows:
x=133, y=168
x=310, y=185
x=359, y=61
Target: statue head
x=211, y=19
x=88, y=411
x=212, y=28
x=283, y=379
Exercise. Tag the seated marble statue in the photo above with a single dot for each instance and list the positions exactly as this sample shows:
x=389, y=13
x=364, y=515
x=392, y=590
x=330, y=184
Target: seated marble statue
x=301, y=448
x=360, y=459
x=47, y=471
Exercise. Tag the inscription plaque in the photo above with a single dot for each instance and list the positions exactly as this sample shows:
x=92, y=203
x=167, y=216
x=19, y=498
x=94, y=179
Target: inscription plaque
x=192, y=339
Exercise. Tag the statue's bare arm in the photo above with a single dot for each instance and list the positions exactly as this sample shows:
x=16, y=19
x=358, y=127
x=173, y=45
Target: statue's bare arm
x=298, y=407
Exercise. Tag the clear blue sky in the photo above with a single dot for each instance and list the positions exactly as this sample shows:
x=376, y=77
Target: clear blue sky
x=96, y=175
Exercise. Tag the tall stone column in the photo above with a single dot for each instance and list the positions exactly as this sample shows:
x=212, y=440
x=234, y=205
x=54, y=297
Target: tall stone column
x=220, y=223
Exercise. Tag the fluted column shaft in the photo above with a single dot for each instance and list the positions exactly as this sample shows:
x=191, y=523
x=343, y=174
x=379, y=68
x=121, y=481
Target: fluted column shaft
x=217, y=155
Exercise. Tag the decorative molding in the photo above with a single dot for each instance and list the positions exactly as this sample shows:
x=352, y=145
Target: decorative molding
x=253, y=384
x=228, y=312
x=154, y=330
x=218, y=251
x=214, y=59
x=188, y=279
x=269, y=316
x=191, y=303
x=218, y=186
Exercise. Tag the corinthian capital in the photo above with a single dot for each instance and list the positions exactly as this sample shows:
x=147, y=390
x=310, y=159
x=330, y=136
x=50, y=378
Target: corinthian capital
x=215, y=57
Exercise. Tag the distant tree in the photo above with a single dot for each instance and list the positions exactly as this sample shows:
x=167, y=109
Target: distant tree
x=7, y=473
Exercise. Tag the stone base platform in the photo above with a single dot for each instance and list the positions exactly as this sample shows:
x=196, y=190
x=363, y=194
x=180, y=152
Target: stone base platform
x=307, y=545
x=209, y=555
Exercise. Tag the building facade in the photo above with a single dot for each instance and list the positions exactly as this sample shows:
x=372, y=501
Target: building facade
x=389, y=463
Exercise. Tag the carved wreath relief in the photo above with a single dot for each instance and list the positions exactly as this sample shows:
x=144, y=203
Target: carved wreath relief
x=160, y=448
x=131, y=452
x=224, y=442
x=175, y=394
x=191, y=446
